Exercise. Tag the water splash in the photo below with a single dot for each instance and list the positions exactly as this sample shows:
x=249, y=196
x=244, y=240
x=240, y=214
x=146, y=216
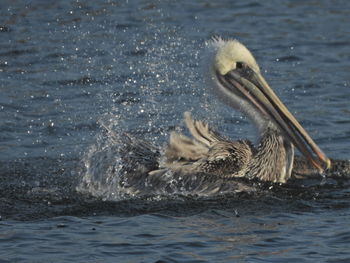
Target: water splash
x=155, y=81
x=102, y=163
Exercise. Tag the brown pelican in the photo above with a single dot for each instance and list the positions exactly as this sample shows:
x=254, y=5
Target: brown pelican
x=208, y=157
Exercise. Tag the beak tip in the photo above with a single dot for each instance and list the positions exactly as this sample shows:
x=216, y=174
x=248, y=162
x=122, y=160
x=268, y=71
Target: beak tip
x=328, y=164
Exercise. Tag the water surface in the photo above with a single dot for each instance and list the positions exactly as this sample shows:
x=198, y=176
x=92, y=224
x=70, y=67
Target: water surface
x=136, y=66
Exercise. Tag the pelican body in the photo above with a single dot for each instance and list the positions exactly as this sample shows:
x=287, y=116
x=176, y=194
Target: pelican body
x=236, y=79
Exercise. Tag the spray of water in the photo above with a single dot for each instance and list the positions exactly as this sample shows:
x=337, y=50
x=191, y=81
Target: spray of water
x=158, y=83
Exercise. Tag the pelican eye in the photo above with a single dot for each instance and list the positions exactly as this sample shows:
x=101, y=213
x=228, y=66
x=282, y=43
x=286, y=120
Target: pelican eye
x=243, y=69
x=239, y=65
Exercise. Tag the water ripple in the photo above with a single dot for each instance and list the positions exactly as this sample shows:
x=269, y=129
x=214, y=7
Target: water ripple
x=65, y=66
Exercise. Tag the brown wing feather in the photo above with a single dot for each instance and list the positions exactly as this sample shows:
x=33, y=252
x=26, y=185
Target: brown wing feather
x=207, y=152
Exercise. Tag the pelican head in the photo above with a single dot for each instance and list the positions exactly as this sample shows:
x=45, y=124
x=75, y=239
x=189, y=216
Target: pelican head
x=239, y=83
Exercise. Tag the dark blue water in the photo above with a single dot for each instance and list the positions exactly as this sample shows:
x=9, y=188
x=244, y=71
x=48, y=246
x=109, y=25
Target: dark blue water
x=66, y=67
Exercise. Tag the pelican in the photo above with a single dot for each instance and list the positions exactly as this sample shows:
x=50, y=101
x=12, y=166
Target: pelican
x=208, y=160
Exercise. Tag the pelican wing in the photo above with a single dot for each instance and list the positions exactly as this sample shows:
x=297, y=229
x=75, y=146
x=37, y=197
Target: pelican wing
x=207, y=152
x=182, y=148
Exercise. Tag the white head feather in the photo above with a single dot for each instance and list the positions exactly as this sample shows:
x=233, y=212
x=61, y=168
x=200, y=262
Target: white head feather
x=228, y=53
x=224, y=55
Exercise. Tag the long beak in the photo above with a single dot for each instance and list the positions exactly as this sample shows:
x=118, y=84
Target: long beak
x=251, y=86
